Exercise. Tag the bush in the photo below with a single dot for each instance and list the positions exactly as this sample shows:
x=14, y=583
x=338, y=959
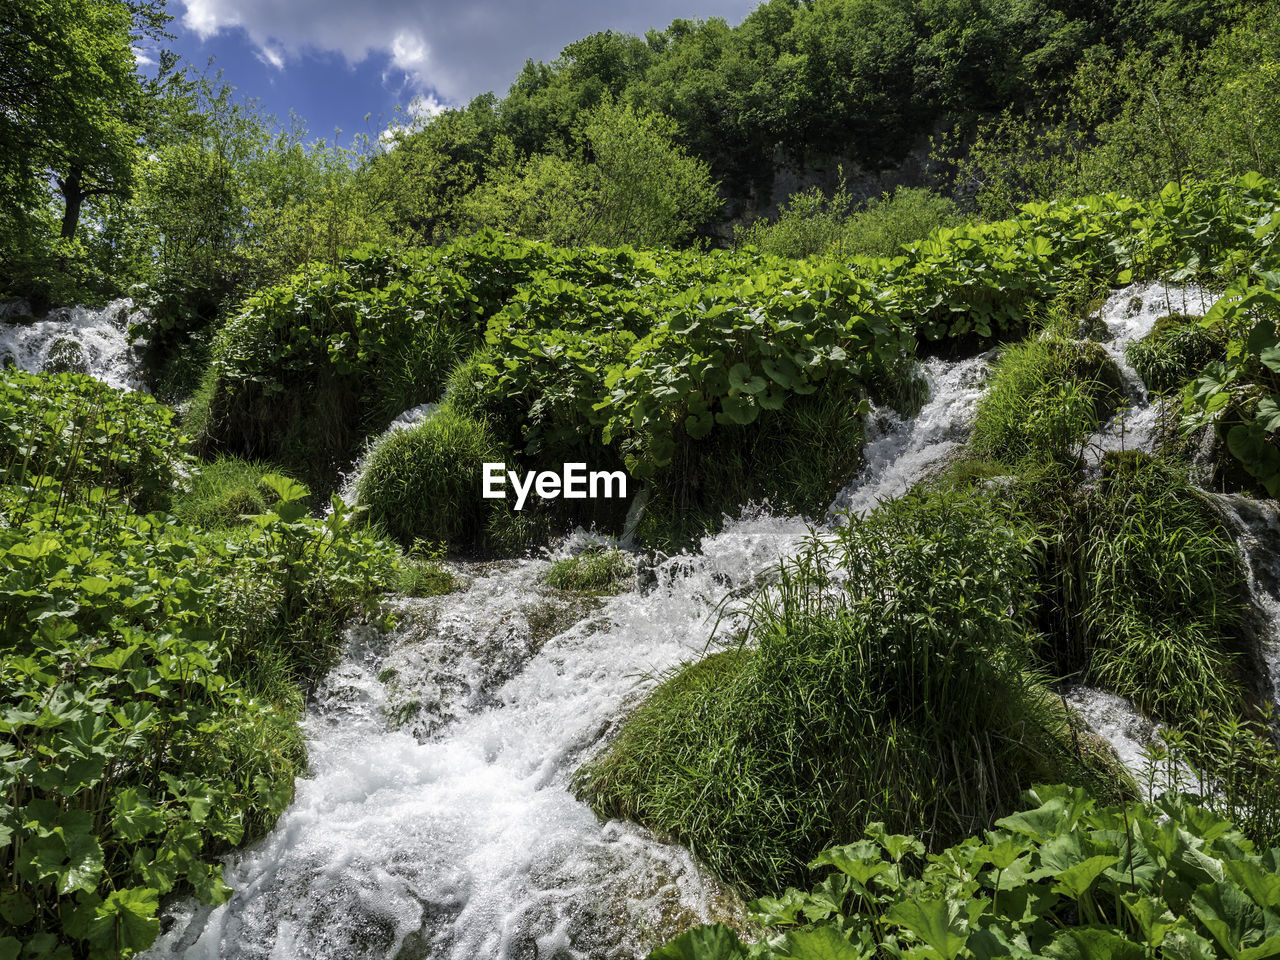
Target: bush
x=153, y=674
x=1175, y=351
x=811, y=224
x=78, y=431
x=424, y=482
x=1047, y=395
x=1063, y=877
x=886, y=680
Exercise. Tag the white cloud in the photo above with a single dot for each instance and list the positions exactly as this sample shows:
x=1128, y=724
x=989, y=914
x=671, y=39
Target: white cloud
x=271, y=56
x=454, y=49
x=142, y=57
x=420, y=112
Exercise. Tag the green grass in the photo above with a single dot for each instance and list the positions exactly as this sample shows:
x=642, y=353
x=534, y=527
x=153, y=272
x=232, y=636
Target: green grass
x=1136, y=587
x=898, y=691
x=594, y=572
x=1047, y=394
x=424, y=482
x=1161, y=595
x=416, y=577
x=1174, y=352
x=222, y=493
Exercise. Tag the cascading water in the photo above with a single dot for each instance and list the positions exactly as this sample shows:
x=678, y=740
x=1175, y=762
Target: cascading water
x=73, y=340
x=1256, y=526
x=439, y=821
x=1128, y=315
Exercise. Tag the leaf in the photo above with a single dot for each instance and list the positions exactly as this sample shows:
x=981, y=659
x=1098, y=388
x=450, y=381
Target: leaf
x=1093, y=943
x=1227, y=913
x=897, y=845
x=740, y=378
x=714, y=942
x=1269, y=413
x=1076, y=880
x=740, y=410
x=820, y=943
x=939, y=923
x=127, y=918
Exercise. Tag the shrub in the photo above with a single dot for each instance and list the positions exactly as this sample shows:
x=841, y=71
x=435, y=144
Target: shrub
x=83, y=434
x=424, y=482
x=812, y=224
x=153, y=679
x=885, y=680
x=153, y=673
x=1175, y=351
x=1064, y=877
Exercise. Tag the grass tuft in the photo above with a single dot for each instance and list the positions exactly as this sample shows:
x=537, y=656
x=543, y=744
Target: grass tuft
x=594, y=572
x=894, y=688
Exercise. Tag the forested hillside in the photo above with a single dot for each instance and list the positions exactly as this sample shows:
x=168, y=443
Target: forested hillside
x=926, y=356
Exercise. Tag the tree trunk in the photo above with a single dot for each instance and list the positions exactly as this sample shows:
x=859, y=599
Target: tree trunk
x=73, y=193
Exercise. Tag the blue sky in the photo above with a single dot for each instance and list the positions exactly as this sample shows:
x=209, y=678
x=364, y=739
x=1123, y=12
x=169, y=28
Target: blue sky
x=334, y=61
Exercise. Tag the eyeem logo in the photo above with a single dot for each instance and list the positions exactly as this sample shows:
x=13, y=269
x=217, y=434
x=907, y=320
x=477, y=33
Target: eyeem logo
x=572, y=482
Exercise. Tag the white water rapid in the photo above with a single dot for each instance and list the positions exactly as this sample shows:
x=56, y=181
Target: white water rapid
x=72, y=340
x=438, y=820
x=1129, y=314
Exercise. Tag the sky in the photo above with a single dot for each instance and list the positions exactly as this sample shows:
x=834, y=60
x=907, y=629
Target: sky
x=333, y=62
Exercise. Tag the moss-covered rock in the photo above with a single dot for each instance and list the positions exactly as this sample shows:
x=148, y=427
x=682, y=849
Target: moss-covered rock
x=423, y=483
x=65, y=356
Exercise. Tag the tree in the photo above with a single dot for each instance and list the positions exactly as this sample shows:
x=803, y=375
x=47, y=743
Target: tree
x=72, y=104
x=628, y=182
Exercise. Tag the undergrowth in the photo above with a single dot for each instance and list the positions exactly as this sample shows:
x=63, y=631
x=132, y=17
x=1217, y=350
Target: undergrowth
x=887, y=678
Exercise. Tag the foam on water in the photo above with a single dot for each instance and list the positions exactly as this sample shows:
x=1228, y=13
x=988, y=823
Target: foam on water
x=78, y=339
x=1129, y=314
x=439, y=821
x=1255, y=525
x=1114, y=719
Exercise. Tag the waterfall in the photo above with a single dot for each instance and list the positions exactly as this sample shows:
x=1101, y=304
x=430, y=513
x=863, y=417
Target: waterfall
x=1129, y=314
x=438, y=819
x=1256, y=527
x=73, y=340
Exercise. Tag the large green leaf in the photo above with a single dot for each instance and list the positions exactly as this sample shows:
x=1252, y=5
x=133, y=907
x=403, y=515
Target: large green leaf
x=714, y=942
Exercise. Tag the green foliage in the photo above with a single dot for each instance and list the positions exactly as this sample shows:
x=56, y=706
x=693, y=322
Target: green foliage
x=151, y=671
x=885, y=679
x=1240, y=395
x=597, y=571
x=73, y=113
x=303, y=371
x=1047, y=395
x=811, y=224
x=1063, y=878
x=423, y=573
x=652, y=359
x=1175, y=351
x=423, y=482
x=84, y=434
x=1160, y=595
x=222, y=494
x=628, y=182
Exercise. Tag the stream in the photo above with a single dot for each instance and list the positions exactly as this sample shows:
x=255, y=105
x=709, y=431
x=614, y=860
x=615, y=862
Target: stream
x=438, y=818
